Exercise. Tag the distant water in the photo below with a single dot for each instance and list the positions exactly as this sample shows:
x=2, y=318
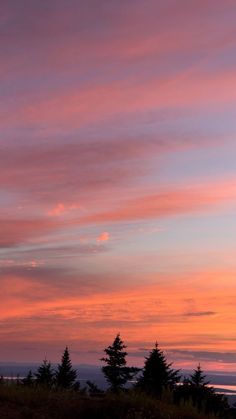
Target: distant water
x=223, y=383
x=226, y=389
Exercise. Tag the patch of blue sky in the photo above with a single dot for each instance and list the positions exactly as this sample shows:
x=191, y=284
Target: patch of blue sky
x=203, y=123
x=224, y=59
x=196, y=166
x=8, y=199
x=204, y=238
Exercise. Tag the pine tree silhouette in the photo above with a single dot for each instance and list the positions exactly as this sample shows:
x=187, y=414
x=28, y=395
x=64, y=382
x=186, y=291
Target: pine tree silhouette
x=201, y=394
x=65, y=374
x=45, y=374
x=93, y=389
x=29, y=379
x=197, y=379
x=157, y=374
x=116, y=372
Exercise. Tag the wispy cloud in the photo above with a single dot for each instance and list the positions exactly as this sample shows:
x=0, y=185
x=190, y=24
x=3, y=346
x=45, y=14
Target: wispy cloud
x=116, y=118
x=199, y=313
x=170, y=202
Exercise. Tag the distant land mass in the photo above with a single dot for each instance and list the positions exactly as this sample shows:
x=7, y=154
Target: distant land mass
x=222, y=381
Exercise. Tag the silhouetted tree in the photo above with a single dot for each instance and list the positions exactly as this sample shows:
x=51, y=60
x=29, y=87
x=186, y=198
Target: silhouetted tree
x=203, y=396
x=198, y=379
x=116, y=372
x=65, y=374
x=18, y=380
x=28, y=380
x=157, y=374
x=45, y=374
x=93, y=389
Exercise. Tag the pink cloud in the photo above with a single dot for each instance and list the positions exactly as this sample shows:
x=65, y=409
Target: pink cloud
x=170, y=202
x=58, y=210
x=120, y=48
x=84, y=138
x=69, y=174
x=130, y=32
x=64, y=209
x=165, y=202
x=15, y=231
x=103, y=237
x=192, y=89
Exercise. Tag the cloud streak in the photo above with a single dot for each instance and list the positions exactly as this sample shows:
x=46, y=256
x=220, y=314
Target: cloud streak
x=170, y=202
x=118, y=122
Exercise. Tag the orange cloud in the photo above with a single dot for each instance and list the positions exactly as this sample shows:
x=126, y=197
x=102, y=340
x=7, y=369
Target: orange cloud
x=58, y=210
x=142, y=315
x=63, y=209
x=105, y=236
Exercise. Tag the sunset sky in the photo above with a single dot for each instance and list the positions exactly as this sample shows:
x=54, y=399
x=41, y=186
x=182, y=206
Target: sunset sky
x=118, y=179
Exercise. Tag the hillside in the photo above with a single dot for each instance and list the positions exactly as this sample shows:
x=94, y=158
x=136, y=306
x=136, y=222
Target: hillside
x=21, y=403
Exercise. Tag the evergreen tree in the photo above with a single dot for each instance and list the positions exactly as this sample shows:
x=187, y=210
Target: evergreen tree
x=116, y=372
x=197, y=379
x=93, y=389
x=203, y=396
x=65, y=374
x=28, y=380
x=45, y=374
x=157, y=374
x=18, y=380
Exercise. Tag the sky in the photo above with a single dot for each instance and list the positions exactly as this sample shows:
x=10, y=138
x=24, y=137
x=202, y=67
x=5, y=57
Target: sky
x=118, y=179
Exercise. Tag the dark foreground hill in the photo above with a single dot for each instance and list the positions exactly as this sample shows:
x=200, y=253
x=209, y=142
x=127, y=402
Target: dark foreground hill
x=27, y=403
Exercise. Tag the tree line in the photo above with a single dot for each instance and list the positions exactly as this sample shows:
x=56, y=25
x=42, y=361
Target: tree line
x=155, y=378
